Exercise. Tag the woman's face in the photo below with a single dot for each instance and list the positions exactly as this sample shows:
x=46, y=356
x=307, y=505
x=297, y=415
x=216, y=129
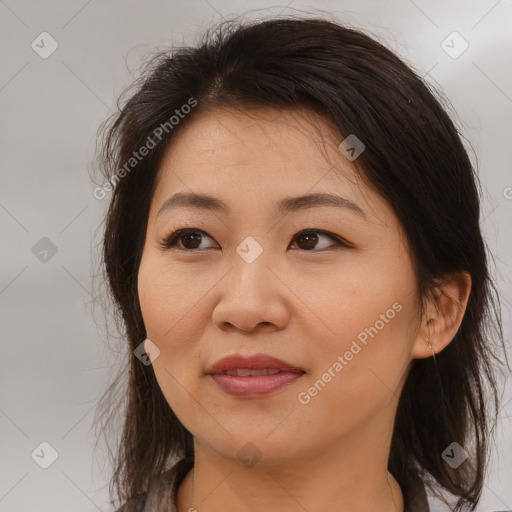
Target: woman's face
x=339, y=304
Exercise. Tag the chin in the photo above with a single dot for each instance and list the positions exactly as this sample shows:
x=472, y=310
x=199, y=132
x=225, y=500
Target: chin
x=256, y=449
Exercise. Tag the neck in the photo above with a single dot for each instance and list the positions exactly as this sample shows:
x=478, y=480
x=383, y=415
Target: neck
x=354, y=480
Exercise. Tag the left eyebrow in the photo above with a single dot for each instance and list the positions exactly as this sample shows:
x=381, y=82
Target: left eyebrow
x=285, y=205
x=292, y=204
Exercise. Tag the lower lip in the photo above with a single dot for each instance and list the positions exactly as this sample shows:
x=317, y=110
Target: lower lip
x=255, y=385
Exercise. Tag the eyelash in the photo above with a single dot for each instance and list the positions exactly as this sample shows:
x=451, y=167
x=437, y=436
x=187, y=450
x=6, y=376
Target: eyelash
x=169, y=241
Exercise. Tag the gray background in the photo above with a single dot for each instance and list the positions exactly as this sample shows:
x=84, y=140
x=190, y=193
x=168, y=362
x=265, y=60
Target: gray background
x=55, y=362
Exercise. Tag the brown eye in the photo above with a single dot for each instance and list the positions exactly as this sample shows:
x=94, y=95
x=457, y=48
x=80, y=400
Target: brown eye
x=191, y=240
x=308, y=239
x=185, y=239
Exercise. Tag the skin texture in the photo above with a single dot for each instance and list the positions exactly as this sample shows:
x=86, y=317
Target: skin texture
x=304, y=306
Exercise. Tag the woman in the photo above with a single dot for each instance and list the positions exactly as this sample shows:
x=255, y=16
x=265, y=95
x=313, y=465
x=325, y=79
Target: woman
x=294, y=249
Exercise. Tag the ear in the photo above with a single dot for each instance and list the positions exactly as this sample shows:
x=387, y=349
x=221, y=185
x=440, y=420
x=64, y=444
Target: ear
x=443, y=314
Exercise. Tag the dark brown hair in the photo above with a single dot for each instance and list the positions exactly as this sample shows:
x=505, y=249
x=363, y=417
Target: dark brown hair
x=414, y=158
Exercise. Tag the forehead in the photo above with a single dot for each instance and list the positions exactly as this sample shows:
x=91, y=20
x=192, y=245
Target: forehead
x=260, y=153
x=255, y=126
x=292, y=139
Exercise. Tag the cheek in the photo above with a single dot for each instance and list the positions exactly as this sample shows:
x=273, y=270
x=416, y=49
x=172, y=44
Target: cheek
x=354, y=380
x=370, y=314
x=168, y=300
x=361, y=305
x=167, y=307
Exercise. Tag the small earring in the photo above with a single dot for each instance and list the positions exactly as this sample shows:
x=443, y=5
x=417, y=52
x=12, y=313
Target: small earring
x=431, y=348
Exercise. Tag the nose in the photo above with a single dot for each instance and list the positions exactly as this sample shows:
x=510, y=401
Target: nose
x=252, y=297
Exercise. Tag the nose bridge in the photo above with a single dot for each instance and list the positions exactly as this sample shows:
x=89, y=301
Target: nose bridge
x=251, y=293
x=250, y=272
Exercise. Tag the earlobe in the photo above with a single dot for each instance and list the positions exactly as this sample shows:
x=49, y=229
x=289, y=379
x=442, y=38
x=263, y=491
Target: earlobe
x=443, y=316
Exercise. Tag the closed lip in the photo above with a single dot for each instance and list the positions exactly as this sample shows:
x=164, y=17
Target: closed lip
x=254, y=362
